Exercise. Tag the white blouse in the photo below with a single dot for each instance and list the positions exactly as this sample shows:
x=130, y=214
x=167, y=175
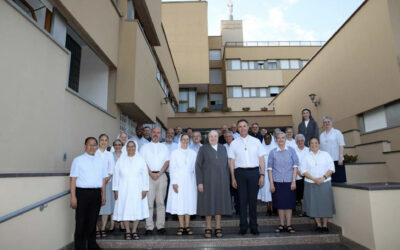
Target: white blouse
x=108, y=159
x=300, y=155
x=317, y=165
x=330, y=142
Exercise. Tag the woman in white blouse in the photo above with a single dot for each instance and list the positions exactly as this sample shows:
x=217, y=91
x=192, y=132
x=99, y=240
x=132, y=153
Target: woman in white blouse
x=317, y=167
x=332, y=141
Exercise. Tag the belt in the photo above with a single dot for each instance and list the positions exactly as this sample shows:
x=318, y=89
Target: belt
x=248, y=169
x=88, y=189
x=155, y=172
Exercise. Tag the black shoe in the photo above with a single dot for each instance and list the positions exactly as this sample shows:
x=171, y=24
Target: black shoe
x=325, y=230
x=242, y=231
x=148, y=232
x=318, y=229
x=161, y=231
x=254, y=231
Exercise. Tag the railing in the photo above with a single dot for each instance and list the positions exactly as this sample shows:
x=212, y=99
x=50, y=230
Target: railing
x=41, y=204
x=274, y=43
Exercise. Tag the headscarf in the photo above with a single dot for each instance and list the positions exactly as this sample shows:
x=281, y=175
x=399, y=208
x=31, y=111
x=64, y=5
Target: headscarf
x=309, y=111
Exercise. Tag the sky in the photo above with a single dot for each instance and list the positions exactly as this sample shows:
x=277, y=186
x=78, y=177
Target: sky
x=283, y=20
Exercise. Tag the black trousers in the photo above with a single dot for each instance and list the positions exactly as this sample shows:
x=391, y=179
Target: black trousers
x=89, y=203
x=247, y=181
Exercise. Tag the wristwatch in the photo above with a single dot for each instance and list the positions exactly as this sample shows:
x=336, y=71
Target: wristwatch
x=325, y=177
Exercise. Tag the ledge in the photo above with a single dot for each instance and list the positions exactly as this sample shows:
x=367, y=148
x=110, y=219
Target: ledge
x=392, y=152
x=351, y=130
x=370, y=186
x=18, y=175
x=368, y=143
x=365, y=163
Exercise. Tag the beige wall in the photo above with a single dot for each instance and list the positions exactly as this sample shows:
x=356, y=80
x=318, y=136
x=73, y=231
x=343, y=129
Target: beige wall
x=255, y=104
x=215, y=42
x=92, y=14
x=392, y=161
x=366, y=173
x=394, y=11
x=52, y=228
x=342, y=74
x=271, y=52
x=392, y=135
x=39, y=110
x=185, y=25
x=231, y=31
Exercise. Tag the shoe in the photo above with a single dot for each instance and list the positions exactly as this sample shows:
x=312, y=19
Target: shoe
x=325, y=230
x=254, y=231
x=161, y=231
x=242, y=231
x=318, y=229
x=148, y=232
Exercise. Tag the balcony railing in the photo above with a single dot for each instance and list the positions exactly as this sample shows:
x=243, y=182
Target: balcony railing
x=274, y=43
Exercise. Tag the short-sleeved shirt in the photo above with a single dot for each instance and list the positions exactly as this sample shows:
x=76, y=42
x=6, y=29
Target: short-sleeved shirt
x=236, y=135
x=282, y=163
x=171, y=147
x=108, y=159
x=331, y=142
x=195, y=148
x=155, y=155
x=89, y=171
x=300, y=155
x=246, y=152
x=317, y=165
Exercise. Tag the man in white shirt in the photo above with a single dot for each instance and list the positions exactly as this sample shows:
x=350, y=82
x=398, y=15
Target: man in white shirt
x=196, y=142
x=234, y=131
x=88, y=193
x=156, y=156
x=246, y=163
x=139, y=138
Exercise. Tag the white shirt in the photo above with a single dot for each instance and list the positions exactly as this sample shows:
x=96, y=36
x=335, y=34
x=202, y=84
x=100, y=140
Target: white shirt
x=155, y=155
x=89, y=171
x=195, y=148
x=108, y=159
x=300, y=155
x=227, y=146
x=291, y=143
x=236, y=135
x=317, y=165
x=140, y=141
x=246, y=151
x=306, y=123
x=215, y=146
x=330, y=142
x=171, y=147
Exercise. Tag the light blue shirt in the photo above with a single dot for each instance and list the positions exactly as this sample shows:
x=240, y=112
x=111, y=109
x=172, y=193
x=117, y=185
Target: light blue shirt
x=194, y=148
x=282, y=164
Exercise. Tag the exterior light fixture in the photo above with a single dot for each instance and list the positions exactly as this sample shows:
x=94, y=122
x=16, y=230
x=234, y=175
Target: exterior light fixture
x=314, y=99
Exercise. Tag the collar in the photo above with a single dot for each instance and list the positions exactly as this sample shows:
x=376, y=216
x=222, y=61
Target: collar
x=88, y=155
x=279, y=149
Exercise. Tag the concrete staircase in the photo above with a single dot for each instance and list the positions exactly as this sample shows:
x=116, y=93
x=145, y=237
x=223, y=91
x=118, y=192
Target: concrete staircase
x=304, y=238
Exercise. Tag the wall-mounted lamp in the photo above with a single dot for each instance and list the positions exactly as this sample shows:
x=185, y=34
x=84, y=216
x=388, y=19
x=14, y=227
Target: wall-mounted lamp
x=314, y=99
x=164, y=100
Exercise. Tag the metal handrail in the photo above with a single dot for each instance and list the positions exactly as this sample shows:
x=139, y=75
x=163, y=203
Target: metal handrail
x=41, y=204
x=274, y=43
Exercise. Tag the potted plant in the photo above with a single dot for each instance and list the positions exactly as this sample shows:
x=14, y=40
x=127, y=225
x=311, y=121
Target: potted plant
x=264, y=109
x=206, y=109
x=246, y=108
x=191, y=110
x=226, y=109
x=350, y=158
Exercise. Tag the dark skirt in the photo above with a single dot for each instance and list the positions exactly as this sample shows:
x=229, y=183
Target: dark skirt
x=299, y=189
x=340, y=173
x=283, y=197
x=318, y=200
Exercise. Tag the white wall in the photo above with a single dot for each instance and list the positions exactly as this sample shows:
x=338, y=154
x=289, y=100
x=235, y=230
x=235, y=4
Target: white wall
x=93, y=78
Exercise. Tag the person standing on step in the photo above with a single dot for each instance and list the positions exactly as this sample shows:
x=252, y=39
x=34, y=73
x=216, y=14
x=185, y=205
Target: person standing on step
x=318, y=167
x=88, y=193
x=332, y=141
x=308, y=126
x=117, y=145
x=247, y=171
x=234, y=131
x=290, y=141
x=139, y=138
x=178, y=132
x=130, y=185
x=156, y=156
x=146, y=133
x=221, y=138
x=182, y=193
x=107, y=210
x=229, y=138
x=255, y=131
x=195, y=146
x=264, y=194
x=171, y=145
x=301, y=151
x=212, y=174
x=282, y=171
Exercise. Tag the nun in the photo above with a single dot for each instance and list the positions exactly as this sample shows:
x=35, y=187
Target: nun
x=107, y=209
x=130, y=185
x=182, y=194
x=308, y=126
x=212, y=174
x=264, y=193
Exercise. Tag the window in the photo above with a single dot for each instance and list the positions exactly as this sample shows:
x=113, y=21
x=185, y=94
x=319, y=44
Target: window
x=263, y=92
x=252, y=65
x=294, y=64
x=246, y=92
x=215, y=55
x=272, y=64
x=393, y=114
x=158, y=75
x=274, y=91
x=88, y=74
x=202, y=101
x=260, y=64
x=215, y=76
x=304, y=62
x=245, y=65
x=237, y=92
x=234, y=64
x=253, y=92
x=216, y=101
x=387, y=116
x=39, y=11
x=284, y=64
x=187, y=99
x=130, y=12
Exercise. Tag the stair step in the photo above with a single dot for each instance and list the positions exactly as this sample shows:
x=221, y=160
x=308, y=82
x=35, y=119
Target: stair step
x=304, y=235
x=234, y=221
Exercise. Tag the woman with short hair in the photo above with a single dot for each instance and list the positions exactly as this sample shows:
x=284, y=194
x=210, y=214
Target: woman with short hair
x=317, y=167
x=212, y=174
x=282, y=170
x=332, y=141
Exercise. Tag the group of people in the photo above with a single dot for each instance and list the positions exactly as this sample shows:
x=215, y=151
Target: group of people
x=183, y=177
